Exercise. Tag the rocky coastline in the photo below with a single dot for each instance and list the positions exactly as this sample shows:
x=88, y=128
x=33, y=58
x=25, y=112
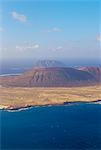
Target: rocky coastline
x=11, y=108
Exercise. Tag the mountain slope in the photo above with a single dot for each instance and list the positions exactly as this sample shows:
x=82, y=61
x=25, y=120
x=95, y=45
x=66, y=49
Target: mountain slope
x=51, y=77
x=95, y=71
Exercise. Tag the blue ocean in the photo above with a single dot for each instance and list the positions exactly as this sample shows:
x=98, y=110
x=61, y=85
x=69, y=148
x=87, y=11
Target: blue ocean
x=69, y=127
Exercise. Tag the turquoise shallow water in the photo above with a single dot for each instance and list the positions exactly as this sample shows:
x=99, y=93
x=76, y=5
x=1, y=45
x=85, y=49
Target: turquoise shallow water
x=73, y=127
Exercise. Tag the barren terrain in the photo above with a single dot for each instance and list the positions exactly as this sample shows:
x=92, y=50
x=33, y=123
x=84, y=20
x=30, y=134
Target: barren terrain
x=19, y=97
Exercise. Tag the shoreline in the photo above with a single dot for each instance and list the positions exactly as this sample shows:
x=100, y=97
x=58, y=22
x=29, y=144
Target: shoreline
x=14, y=109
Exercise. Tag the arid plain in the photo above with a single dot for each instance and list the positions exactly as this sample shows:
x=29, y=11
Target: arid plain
x=19, y=97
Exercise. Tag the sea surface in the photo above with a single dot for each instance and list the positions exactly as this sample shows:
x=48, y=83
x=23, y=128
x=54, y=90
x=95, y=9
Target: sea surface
x=69, y=127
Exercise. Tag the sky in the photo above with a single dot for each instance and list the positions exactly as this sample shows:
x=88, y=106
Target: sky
x=54, y=29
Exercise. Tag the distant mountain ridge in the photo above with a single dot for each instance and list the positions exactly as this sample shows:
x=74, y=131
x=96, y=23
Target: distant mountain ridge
x=48, y=64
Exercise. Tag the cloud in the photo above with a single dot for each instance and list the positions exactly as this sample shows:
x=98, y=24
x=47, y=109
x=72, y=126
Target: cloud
x=59, y=48
x=99, y=37
x=55, y=29
x=20, y=17
x=35, y=46
x=1, y=29
x=27, y=46
x=3, y=48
